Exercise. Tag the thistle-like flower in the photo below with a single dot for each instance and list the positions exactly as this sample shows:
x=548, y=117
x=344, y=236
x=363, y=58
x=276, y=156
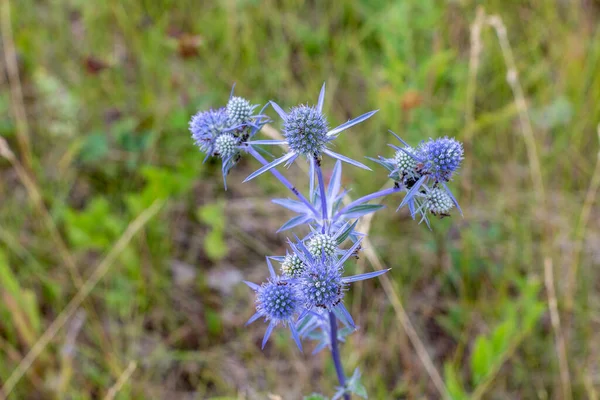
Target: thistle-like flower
x=306, y=133
x=438, y=202
x=435, y=162
x=292, y=265
x=322, y=243
x=322, y=283
x=206, y=127
x=278, y=300
x=224, y=132
x=440, y=158
x=239, y=111
x=226, y=145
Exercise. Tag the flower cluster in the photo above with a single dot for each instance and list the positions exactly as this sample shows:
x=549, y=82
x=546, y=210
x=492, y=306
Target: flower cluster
x=223, y=132
x=423, y=172
x=307, y=295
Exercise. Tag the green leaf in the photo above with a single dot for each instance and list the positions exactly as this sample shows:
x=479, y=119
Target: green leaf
x=454, y=383
x=94, y=148
x=346, y=233
x=481, y=359
x=213, y=215
x=215, y=246
x=315, y=396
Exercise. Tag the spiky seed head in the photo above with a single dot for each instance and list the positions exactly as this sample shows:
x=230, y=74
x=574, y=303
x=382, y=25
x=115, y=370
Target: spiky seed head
x=206, y=126
x=277, y=300
x=441, y=157
x=404, y=162
x=225, y=145
x=239, y=110
x=305, y=130
x=322, y=243
x=438, y=201
x=321, y=286
x=292, y=266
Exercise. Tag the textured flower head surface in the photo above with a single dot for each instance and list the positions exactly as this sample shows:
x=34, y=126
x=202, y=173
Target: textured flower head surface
x=322, y=283
x=438, y=202
x=226, y=145
x=305, y=130
x=441, y=157
x=306, y=134
x=278, y=301
x=322, y=243
x=405, y=162
x=292, y=265
x=239, y=111
x=206, y=126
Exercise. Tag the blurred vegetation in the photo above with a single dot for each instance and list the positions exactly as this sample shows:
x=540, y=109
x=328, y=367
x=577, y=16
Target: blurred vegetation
x=107, y=89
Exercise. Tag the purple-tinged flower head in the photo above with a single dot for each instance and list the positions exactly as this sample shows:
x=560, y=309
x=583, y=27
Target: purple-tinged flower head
x=322, y=286
x=322, y=244
x=278, y=301
x=435, y=162
x=239, y=111
x=305, y=130
x=441, y=157
x=292, y=265
x=225, y=145
x=206, y=126
x=322, y=283
x=306, y=134
x=438, y=202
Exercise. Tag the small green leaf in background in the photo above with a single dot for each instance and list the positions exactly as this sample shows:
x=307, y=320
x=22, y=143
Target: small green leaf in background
x=213, y=322
x=481, y=359
x=454, y=383
x=213, y=215
x=94, y=148
x=315, y=396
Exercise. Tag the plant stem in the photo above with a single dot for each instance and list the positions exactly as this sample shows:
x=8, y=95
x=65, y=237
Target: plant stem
x=282, y=179
x=366, y=198
x=335, y=353
x=323, y=194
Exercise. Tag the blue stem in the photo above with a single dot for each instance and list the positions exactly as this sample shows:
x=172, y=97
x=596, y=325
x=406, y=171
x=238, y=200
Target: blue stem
x=323, y=193
x=366, y=198
x=335, y=353
x=282, y=179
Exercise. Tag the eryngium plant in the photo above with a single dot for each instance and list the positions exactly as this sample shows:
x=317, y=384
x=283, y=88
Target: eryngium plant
x=307, y=296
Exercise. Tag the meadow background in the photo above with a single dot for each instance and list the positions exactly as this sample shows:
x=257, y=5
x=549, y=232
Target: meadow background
x=121, y=256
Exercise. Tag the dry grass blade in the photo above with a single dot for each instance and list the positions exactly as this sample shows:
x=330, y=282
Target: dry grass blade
x=12, y=69
x=110, y=395
x=102, y=268
x=584, y=217
x=561, y=349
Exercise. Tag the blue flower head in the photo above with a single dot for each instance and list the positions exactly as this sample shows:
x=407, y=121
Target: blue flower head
x=305, y=129
x=322, y=284
x=438, y=202
x=440, y=158
x=422, y=173
x=292, y=266
x=224, y=132
x=239, y=111
x=278, y=300
x=306, y=134
x=206, y=127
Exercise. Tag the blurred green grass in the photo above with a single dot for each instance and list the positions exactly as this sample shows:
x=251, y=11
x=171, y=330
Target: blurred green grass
x=108, y=90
